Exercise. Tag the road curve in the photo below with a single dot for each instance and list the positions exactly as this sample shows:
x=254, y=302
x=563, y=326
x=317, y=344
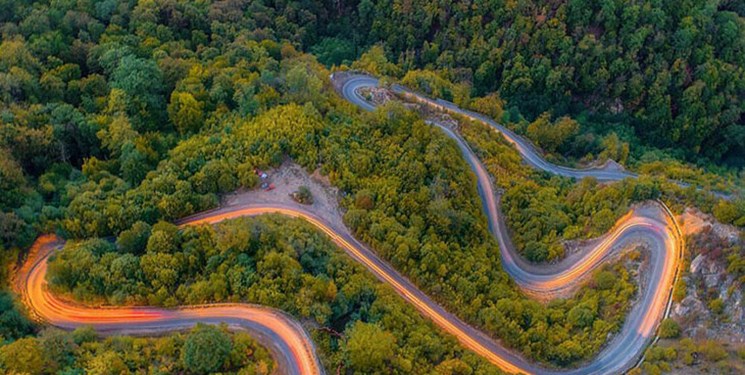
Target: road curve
x=290, y=345
x=609, y=171
x=652, y=225
x=606, y=172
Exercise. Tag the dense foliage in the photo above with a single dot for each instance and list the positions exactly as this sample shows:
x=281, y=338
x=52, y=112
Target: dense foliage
x=410, y=196
x=81, y=351
x=543, y=210
x=111, y=86
x=13, y=325
x=269, y=260
x=283, y=263
x=672, y=72
x=688, y=355
x=542, y=213
x=116, y=116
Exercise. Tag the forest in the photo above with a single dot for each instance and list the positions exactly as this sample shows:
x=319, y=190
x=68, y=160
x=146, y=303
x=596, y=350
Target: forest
x=434, y=233
x=544, y=211
x=204, y=349
x=118, y=117
x=283, y=263
x=109, y=87
x=670, y=74
x=272, y=261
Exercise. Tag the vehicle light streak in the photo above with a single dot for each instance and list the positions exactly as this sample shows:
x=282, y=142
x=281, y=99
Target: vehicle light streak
x=291, y=344
x=655, y=227
x=286, y=339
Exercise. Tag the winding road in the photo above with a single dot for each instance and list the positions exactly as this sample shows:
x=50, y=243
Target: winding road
x=652, y=225
x=291, y=345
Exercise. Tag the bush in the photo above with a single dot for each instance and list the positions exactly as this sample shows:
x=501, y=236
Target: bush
x=680, y=290
x=22, y=356
x=302, y=195
x=605, y=280
x=134, y=240
x=13, y=324
x=369, y=347
x=716, y=306
x=206, y=349
x=713, y=351
x=669, y=329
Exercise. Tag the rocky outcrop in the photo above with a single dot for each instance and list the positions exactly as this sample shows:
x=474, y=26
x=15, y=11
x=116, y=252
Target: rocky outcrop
x=713, y=306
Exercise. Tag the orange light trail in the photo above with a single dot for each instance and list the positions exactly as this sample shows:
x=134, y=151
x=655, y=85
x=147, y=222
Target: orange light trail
x=64, y=314
x=33, y=288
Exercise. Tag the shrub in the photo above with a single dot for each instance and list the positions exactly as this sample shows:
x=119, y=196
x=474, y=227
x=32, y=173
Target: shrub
x=669, y=329
x=206, y=349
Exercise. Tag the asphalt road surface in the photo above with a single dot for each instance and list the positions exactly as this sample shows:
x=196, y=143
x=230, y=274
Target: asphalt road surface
x=291, y=345
x=652, y=225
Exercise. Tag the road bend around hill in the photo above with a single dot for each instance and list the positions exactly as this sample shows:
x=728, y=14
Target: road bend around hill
x=651, y=224
x=291, y=345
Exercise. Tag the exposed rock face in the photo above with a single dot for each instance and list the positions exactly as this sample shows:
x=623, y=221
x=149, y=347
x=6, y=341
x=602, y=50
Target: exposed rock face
x=376, y=95
x=709, y=244
x=689, y=306
x=710, y=270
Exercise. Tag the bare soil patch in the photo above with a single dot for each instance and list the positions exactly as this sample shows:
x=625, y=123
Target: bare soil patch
x=288, y=178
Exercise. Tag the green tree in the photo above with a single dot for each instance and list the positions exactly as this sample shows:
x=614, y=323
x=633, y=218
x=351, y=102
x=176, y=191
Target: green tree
x=118, y=133
x=76, y=136
x=106, y=363
x=205, y=349
x=369, y=348
x=142, y=83
x=13, y=324
x=375, y=62
x=186, y=113
x=491, y=105
x=614, y=149
x=303, y=86
x=12, y=181
x=334, y=51
x=669, y=329
x=164, y=238
x=549, y=135
x=581, y=316
x=247, y=352
x=134, y=240
x=23, y=356
x=14, y=231
x=133, y=163
x=58, y=348
x=453, y=367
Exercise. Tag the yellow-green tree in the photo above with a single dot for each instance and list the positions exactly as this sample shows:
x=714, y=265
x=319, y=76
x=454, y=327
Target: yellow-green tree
x=369, y=348
x=23, y=356
x=186, y=112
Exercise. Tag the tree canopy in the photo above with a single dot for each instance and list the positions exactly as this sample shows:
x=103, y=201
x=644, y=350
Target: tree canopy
x=119, y=117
